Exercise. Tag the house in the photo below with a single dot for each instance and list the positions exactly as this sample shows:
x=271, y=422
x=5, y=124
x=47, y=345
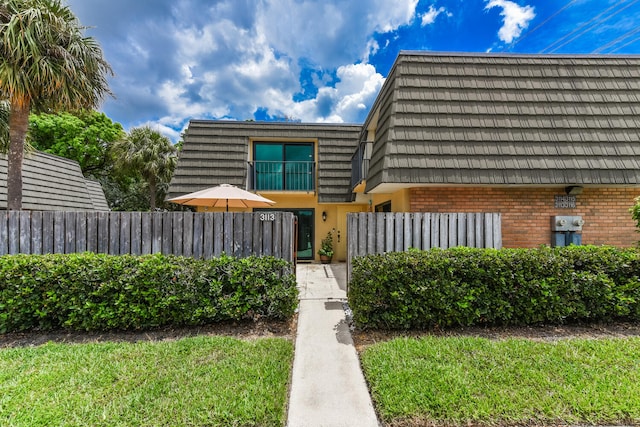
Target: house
x=53, y=183
x=528, y=136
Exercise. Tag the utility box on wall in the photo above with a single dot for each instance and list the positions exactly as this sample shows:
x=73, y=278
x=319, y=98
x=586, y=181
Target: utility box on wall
x=566, y=230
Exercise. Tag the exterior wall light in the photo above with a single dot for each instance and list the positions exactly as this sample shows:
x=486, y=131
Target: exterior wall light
x=324, y=216
x=573, y=190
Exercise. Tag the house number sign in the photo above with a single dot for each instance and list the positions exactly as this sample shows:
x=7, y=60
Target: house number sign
x=565, y=202
x=269, y=216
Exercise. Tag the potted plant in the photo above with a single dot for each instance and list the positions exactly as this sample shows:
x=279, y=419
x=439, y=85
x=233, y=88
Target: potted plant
x=326, y=249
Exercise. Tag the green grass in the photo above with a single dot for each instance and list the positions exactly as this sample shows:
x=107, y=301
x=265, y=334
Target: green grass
x=201, y=381
x=475, y=380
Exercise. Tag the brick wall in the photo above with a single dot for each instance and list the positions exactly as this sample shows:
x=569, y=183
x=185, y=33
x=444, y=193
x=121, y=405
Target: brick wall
x=526, y=212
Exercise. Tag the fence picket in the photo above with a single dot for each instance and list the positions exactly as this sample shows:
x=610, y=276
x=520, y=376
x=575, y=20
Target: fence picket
x=25, y=234
x=401, y=231
x=36, y=233
x=138, y=233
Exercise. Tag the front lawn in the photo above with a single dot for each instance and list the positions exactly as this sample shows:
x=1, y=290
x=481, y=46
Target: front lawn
x=199, y=381
x=464, y=380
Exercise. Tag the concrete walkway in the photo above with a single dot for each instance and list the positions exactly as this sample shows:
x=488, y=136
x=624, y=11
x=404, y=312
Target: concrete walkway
x=327, y=388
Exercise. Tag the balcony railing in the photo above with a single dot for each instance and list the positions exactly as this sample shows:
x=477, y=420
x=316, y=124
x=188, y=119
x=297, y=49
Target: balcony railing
x=359, y=165
x=282, y=176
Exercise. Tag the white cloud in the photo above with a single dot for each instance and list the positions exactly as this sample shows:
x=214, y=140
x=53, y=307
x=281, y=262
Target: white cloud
x=180, y=59
x=355, y=92
x=516, y=18
x=430, y=16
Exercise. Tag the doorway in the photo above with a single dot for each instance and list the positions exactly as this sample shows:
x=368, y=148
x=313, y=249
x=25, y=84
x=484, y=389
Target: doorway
x=306, y=220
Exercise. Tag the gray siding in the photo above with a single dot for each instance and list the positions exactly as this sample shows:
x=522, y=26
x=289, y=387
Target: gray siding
x=516, y=119
x=217, y=152
x=50, y=183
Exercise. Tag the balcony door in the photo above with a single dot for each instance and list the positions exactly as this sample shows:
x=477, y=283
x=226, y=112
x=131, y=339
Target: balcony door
x=283, y=166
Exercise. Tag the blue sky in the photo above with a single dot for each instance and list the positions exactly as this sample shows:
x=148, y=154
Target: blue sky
x=315, y=60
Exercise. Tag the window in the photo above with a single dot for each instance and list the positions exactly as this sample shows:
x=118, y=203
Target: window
x=384, y=207
x=283, y=166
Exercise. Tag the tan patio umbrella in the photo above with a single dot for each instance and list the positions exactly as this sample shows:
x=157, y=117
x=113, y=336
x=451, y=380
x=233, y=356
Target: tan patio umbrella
x=223, y=195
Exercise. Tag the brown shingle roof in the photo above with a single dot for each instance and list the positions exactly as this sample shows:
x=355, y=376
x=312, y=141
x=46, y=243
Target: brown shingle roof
x=507, y=119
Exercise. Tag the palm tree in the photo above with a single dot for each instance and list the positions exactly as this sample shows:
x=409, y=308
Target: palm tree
x=46, y=64
x=4, y=126
x=148, y=153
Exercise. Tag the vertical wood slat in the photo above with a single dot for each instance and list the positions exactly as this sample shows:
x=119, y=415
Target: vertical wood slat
x=103, y=232
x=92, y=231
x=398, y=245
x=497, y=230
x=227, y=246
x=362, y=235
x=218, y=234
x=187, y=234
x=25, y=232
x=69, y=232
x=167, y=233
x=177, y=234
x=380, y=233
x=58, y=233
x=267, y=241
x=81, y=231
x=4, y=232
x=114, y=234
x=156, y=232
x=198, y=235
x=36, y=233
x=237, y=235
x=287, y=237
x=47, y=233
x=208, y=236
x=14, y=232
x=417, y=231
x=426, y=231
x=124, y=241
x=135, y=222
x=277, y=234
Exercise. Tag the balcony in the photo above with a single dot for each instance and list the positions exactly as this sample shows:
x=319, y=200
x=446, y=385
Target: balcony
x=282, y=176
x=360, y=164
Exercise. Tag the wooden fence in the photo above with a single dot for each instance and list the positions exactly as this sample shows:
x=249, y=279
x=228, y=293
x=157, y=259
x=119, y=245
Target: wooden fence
x=200, y=235
x=375, y=233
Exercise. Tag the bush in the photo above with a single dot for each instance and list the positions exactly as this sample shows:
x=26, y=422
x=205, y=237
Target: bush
x=464, y=286
x=100, y=292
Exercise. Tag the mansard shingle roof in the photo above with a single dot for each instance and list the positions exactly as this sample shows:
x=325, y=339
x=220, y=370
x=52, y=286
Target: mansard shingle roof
x=217, y=152
x=486, y=119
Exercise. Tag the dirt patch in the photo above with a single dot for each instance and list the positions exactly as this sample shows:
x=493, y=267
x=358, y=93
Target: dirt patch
x=362, y=339
x=241, y=330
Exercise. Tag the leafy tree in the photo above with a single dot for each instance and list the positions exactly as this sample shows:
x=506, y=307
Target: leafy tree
x=85, y=137
x=46, y=65
x=148, y=153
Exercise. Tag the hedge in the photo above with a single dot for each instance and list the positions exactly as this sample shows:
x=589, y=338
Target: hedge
x=464, y=287
x=103, y=292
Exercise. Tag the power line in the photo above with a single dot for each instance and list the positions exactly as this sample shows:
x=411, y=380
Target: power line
x=625, y=45
x=528, y=33
x=617, y=40
x=599, y=19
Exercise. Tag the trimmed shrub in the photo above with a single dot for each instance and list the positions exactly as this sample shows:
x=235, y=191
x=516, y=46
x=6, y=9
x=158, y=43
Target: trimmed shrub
x=465, y=286
x=100, y=292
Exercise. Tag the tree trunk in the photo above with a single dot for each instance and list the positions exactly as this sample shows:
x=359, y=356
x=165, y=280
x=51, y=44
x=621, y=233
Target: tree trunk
x=18, y=125
x=152, y=193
